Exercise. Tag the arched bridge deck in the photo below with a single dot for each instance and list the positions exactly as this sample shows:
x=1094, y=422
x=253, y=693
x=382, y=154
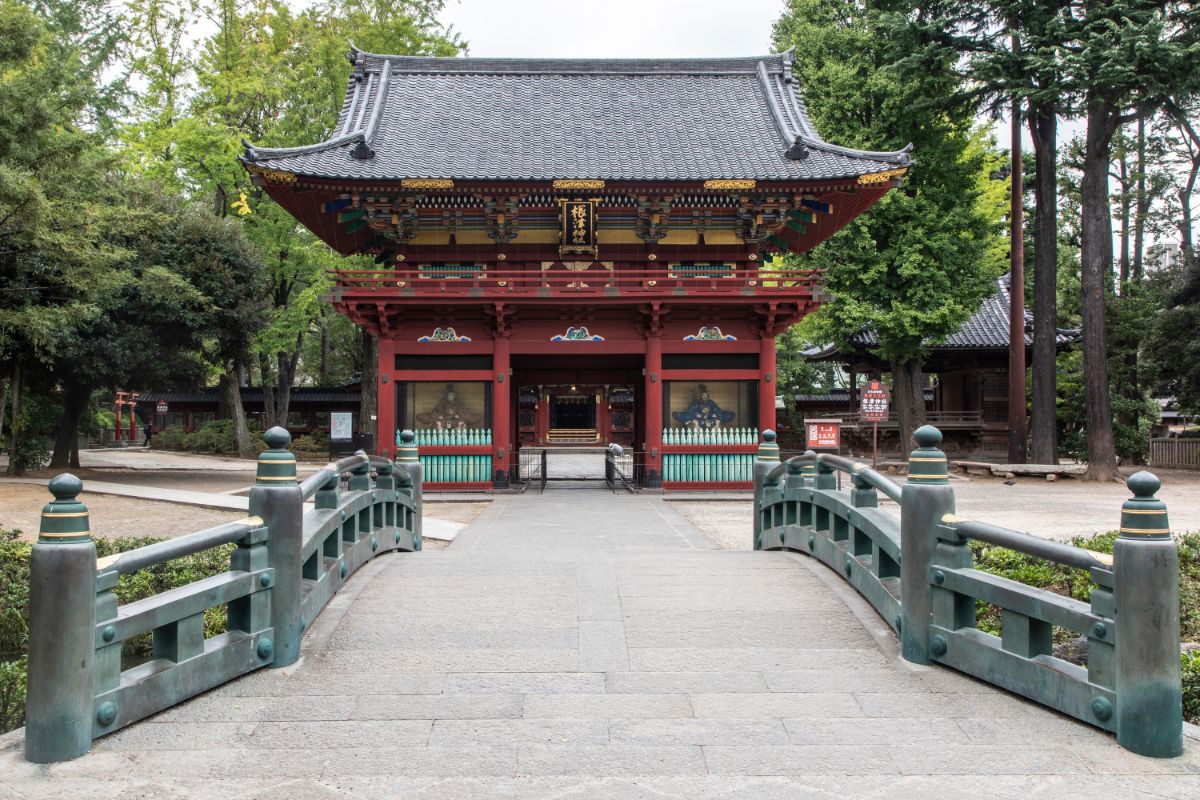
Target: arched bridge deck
x=591, y=645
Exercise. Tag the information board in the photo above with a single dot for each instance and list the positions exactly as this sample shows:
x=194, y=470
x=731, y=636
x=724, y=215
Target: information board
x=341, y=426
x=875, y=402
x=824, y=434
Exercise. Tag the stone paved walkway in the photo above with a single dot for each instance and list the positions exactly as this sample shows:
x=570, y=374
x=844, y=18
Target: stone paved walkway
x=591, y=645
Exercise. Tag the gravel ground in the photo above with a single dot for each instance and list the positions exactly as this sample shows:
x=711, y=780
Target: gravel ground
x=110, y=516
x=1051, y=509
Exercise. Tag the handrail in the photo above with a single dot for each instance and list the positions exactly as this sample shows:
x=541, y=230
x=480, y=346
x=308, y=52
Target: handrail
x=917, y=573
x=287, y=565
x=1058, y=552
x=890, y=488
x=150, y=555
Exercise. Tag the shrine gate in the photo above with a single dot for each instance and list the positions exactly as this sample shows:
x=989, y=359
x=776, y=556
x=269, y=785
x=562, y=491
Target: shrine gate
x=575, y=252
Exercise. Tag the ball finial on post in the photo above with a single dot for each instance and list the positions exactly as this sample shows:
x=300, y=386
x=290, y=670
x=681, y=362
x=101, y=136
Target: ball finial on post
x=65, y=518
x=1149, y=694
x=277, y=465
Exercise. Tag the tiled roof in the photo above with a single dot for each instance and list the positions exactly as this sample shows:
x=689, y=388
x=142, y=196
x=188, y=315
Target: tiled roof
x=541, y=119
x=986, y=329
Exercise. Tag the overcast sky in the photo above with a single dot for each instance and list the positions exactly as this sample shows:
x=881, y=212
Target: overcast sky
x=614, y=28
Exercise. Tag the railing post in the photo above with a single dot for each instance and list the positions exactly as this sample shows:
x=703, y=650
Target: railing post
x=768, y=458
x=62, y=629
x=409, y=460
x=1149, y=711
x=276, y=499
x=927, y=497
x=862, y=495
x=826, y=477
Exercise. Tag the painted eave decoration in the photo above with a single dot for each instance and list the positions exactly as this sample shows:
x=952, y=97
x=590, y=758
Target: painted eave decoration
x=709, y=334
x=576, y=334
x=444, y=335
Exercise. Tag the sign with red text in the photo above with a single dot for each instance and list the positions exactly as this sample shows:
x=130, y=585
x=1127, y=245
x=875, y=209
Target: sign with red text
x=875, y=402
x=824, y=434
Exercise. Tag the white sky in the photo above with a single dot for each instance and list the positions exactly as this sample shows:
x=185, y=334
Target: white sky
x=614, y=28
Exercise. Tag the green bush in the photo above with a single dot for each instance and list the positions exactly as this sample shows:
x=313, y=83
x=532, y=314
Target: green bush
x=171, y=438
x=315, y=443
x=1190, y=664
x=14, y=606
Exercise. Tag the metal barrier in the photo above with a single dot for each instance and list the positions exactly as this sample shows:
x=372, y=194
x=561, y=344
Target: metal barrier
x=917, y=573
x=288, y=563
x=531, y=469
x=619, y=469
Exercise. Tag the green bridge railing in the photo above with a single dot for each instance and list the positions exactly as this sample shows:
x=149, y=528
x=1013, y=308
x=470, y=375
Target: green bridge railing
x=287, y=565
x=917, y=573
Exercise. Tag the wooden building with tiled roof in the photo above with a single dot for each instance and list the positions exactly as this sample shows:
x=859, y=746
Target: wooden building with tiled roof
x=574, y=251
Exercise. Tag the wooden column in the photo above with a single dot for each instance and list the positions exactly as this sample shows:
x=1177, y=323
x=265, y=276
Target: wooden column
x=385, y=398
x=501, y=412
x=766, y=383
x=654, y=410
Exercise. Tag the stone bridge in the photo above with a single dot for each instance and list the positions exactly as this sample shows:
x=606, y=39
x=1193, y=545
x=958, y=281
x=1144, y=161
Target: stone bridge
x=596, y=645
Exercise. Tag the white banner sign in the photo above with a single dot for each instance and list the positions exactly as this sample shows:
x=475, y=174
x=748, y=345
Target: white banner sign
x=341, y=424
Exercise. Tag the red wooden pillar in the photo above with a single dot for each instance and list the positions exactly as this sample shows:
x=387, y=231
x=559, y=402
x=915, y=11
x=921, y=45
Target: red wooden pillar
x=501, y=413
x=385, y=398
x=654, y=410
x=766, y=386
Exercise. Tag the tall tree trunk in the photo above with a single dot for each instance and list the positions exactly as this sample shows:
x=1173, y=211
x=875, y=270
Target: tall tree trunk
x=268, y=391
x=368, y=404
x=908, y=394
x=15, y=467
x=287, y=374
x=1017, y=425
x=1141, y=204
x=324, y=371
x=66, y=442
x=1123, y=180
x=232, y=393
x=3, y=404
x=1043, y=444
x=1096, y=264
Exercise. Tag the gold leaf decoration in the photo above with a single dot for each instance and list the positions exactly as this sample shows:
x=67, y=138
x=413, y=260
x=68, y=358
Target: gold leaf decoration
x=571, y=183
x=881, y=177
x=426, y=183
x=730, y=184
x=272, y=175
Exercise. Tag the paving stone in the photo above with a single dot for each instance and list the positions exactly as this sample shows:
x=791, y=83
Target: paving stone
x=846, y=731
x=606, y=706
x=153, y=735
x=799, y=760
x=451, y=660
x=779, y=704
x=348, y=683
x=424, y=706
x=478, y=761
x=881, y=704
x=658, y=732
x=684, y=682
x=610, y=760
x=748, y=659
x=1021, y=730
x=342, y=735
x=392, y=636
x=814, y=636
x=865, y=679
x=602, y=646
x=1035, y=759
x=274, y=709
x=466, y=733
x=524, y=683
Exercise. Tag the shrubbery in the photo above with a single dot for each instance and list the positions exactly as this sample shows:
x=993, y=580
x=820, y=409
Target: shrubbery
x=211, y=437
x=14, y=606
x=311, y=444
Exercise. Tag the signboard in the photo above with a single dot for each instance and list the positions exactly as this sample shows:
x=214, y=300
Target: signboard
x=875, y=401
x=578, y=234
x=824, y=434
x=341, y=424
x=162, y=407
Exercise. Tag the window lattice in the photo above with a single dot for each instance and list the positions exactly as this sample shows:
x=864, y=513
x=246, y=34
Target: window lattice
x=526, y=419
x=622, y=420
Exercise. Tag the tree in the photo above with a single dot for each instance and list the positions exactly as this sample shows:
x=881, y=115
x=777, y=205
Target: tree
x=918, y=265
x=1029, y=72
x=1128, y=58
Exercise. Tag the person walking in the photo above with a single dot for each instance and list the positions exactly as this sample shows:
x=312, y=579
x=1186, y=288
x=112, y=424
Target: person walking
x=148, y=430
